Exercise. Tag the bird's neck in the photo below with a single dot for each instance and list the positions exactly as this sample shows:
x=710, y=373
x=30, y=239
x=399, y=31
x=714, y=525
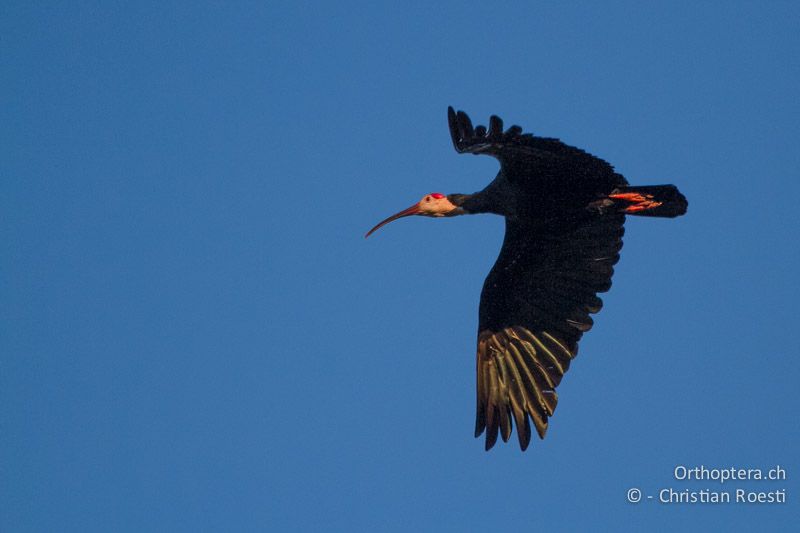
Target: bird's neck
x=468, y=204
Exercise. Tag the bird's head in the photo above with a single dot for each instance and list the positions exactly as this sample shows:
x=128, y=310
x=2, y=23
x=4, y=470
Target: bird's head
x=434, y=204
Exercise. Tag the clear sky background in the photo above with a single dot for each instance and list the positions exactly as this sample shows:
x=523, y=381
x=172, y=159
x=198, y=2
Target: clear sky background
x=194, y=333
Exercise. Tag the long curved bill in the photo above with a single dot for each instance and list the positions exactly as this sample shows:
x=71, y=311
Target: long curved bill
x=413, y=210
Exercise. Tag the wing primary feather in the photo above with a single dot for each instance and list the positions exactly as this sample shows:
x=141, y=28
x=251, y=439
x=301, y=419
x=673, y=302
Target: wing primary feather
x=518, y=402
x=513, y=131
x=552, y=348
x=524, y=432
x=480, y=411
x=551, y=357
x=495, y=127
x=521, y=351
x=465, y=125
x=484, y=400
x=538, y=407
x=452, y=122
x=503, y=381
x=558, y=343
x=493, y=413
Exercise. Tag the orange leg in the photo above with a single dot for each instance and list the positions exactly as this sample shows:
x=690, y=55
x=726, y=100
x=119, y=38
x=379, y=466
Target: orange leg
x=640, y=202
x=630, y=197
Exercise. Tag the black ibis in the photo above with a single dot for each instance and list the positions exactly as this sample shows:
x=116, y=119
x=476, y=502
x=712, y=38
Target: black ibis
x=564, y=211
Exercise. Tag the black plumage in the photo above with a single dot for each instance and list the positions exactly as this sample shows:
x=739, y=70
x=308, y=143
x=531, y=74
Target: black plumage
x=564, y=211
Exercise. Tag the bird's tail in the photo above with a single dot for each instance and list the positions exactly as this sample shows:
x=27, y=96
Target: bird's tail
x=649, y=201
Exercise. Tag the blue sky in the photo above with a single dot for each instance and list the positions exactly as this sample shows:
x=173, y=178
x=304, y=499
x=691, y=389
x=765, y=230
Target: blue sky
x=195, y=335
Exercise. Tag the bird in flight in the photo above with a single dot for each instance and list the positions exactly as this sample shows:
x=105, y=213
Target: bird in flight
x=564, y=211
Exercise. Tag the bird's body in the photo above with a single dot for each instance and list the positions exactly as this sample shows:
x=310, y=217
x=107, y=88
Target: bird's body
x=564, y=212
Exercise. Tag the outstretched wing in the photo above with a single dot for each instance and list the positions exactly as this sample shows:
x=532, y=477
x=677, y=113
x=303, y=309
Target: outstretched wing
x=531, y=161
x=534, y=308
x=556, y=257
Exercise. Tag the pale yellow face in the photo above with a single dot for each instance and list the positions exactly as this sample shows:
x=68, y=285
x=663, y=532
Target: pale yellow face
x=435, y=205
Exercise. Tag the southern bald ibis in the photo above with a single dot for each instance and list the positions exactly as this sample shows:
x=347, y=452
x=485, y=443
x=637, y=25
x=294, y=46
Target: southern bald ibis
x=564, y=212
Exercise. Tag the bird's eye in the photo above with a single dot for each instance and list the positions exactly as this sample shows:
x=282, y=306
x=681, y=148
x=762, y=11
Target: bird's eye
x=427, y=198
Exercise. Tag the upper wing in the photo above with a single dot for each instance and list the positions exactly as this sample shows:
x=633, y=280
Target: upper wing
x=523, y=156
x=535, y=306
